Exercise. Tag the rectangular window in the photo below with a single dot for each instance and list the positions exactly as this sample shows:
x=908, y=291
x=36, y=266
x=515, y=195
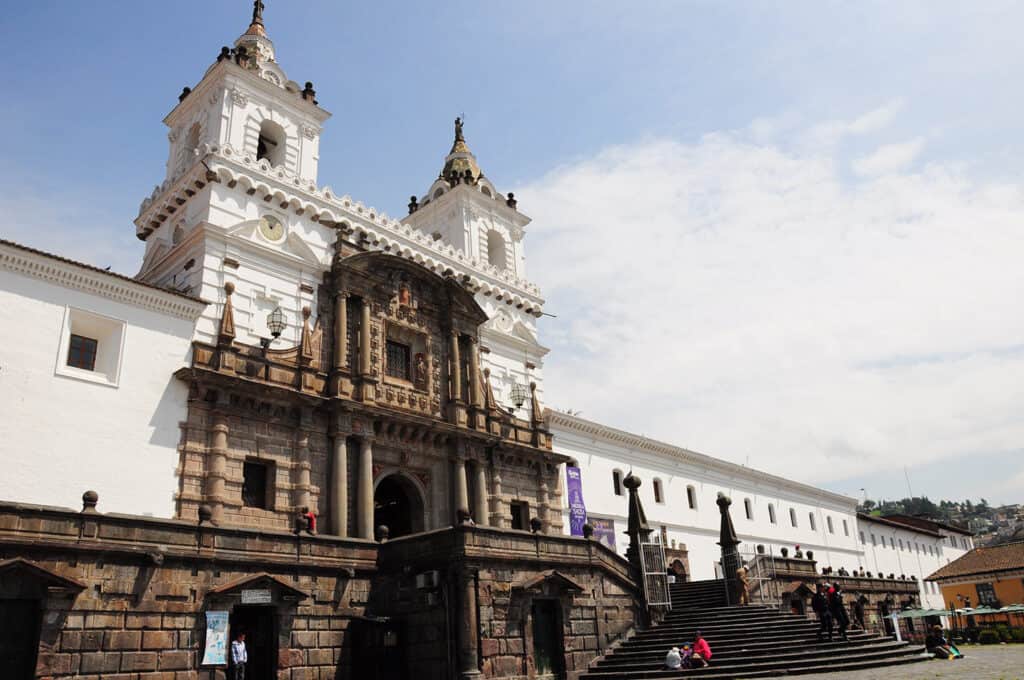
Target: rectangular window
x=255, y=475
x=657, y=491
x=846, y=529
x=520, y=515
x=397, y=360
x=873, y=541
x=987, y=594
x=82, y=352
x=691, y=497
x=617, y=482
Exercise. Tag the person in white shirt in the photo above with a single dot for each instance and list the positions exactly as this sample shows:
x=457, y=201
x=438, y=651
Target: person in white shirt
x=239, y=656
x=673, y=661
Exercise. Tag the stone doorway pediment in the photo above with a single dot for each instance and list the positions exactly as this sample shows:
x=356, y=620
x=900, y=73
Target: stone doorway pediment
x=264, y=581
x=549, y=581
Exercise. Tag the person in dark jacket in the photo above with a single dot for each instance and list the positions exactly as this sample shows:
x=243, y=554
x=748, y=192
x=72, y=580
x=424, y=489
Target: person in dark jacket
x=819, y=603
x=838, y=609
x=858, y=611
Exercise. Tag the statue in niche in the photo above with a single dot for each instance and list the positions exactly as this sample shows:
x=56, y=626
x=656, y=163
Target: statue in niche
x=404, y=295
x=420, y=371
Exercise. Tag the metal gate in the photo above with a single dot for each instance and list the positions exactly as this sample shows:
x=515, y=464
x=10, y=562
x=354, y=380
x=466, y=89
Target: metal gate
x=655, y=575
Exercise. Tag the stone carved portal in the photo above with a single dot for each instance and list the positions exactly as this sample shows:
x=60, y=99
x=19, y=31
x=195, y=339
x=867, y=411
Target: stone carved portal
x=398, y=505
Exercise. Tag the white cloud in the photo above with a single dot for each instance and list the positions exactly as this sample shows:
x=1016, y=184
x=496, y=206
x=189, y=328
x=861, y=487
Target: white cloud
x=745, y=299
x=889, y=158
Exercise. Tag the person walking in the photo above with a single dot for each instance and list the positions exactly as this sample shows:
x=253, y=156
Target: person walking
x=819, y=603
x=838, y=610
x=858, y=611
x=239, y=656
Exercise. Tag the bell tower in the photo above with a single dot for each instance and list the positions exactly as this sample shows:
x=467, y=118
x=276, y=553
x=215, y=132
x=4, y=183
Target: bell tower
x=241, y=139
x=246, y=100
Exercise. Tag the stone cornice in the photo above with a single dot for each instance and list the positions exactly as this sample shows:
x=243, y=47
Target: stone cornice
x=86, y=278
x=376, y=230
x=557, y=419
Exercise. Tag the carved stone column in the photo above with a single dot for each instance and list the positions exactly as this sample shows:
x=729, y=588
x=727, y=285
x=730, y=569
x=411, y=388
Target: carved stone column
x=301, y=497
x=339, y=485
x=461, y=488
x=476, y=393
x=456, y=366
x=341, y=382
x=468, y=628
x=364, y=493
x=365, y=365
x=457, y=407
x=218, y=463
x=497, y=504
x=480, y=493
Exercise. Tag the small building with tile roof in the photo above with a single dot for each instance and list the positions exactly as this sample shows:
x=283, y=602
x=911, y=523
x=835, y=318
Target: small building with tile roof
x=991, y=576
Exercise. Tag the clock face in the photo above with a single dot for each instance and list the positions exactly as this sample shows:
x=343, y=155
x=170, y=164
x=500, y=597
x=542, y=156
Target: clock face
x=271, y=228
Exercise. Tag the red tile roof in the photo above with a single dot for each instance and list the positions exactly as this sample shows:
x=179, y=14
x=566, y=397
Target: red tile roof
x=1006, y=557
x=926, y=523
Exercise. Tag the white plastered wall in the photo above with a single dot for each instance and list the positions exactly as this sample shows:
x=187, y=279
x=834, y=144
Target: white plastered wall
x=59, y=435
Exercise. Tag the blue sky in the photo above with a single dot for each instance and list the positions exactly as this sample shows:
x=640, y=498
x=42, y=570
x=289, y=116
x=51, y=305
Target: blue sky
x=818, y=205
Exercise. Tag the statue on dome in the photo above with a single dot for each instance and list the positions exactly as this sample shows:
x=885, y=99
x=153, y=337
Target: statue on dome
x=458, y=130
x=257, y=12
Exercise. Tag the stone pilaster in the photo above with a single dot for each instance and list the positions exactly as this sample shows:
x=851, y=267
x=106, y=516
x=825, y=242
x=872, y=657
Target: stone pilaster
x=364, y=492
x=459, y=484
x=480, y=493
x=468, y=626
x=368, y=384
x=457, y=407
x=497, y=504
x=339, y=484
x=217, y=468
x=342, y=383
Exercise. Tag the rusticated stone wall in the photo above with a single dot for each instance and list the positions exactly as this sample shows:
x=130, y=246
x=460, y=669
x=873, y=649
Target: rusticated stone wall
x=144, y=587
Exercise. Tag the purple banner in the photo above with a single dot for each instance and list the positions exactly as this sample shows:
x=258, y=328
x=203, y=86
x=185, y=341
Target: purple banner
x=577, y=510
x=604, y=531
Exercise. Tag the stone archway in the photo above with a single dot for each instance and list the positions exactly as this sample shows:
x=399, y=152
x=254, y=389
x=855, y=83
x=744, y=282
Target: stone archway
x=398, y=504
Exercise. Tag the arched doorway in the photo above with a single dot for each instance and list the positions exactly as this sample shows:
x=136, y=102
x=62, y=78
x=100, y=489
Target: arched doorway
x=397, y=504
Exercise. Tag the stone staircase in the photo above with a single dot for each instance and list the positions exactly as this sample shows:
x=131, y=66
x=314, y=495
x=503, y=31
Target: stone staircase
x=746, y=642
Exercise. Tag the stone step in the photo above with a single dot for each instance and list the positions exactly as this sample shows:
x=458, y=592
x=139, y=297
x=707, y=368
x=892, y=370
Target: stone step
x=788, y=666
x=712, y=673
x=650, y=651
x=750, y=655
x=663, y=644
x=728, y=630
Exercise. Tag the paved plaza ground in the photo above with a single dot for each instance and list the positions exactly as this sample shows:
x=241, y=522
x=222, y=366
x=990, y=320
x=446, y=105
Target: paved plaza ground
x=990, y=662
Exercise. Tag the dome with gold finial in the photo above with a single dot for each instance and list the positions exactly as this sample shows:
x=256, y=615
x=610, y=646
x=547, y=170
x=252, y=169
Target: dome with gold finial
x=460, y=166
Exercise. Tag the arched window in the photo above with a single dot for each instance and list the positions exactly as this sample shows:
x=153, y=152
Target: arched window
x=496, y=249
x=485, y=191
x=691, y=497
x=810, y=516
x=658, y=497
x=439, y=193
x=189, y=146
x=828, y=521
x=792, y=516
x=271, y=143
x=771, y=513
x=617, y=482
x=748, y=508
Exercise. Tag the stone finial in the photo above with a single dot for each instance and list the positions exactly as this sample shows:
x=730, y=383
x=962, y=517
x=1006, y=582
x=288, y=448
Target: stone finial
x=588, y=530
x=205, y=513
x=414, y=204
x=511, y=201
x=309, y=94
x=257, y=12
x=185, y=91
x=383, y=533
x=227, y=318
x=89, y=500
x=536, y=414
x=225, y=53
x=536, y=524
x=464, y=517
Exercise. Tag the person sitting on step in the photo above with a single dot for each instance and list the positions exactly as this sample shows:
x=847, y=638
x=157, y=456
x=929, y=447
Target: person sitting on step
x=701, y=651
x=673, y=661
x=939, y=647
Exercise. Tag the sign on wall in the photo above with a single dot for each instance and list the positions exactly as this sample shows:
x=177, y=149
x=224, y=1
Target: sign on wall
x=257, y=596
x=216, y=652
x=577, y=510
x=604, y=531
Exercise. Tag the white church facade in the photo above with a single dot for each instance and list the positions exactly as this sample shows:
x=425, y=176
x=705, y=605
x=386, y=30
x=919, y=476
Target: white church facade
x=288, y=357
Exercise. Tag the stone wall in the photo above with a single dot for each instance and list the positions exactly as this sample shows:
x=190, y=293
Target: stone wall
x=146, y=585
